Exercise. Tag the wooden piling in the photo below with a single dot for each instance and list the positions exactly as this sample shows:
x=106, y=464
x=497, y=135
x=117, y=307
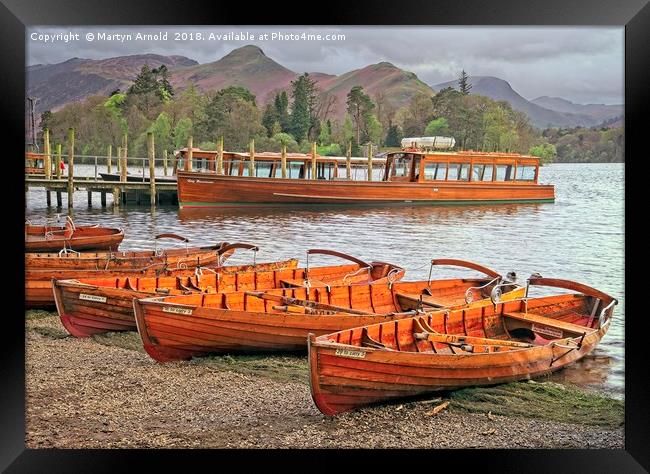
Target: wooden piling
x=369, y=161
x=251, y=161
x=90, y=198
x=313, y=160
x=283, y=161
x=152, y=169
x=220, y=156
x=109, y=162
x=164, y=158
x=57, y=161
x=102, y=197
x=122, y=160
x=117, y=197
x=47, y=159
x=188, y=158
x=59, y=200
x=125, y=144
x=70, y=167
x=348, y=161
x=48, y=198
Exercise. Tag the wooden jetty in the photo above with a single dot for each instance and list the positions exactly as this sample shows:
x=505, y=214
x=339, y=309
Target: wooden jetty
x=43, y=170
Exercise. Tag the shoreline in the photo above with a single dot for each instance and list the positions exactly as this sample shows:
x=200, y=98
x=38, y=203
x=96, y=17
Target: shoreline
x=106, y=392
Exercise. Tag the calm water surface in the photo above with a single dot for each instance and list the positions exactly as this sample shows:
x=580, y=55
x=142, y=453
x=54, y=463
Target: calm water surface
x=579, y=237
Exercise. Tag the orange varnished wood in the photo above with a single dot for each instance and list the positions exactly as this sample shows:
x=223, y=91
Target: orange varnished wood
x=180, y=327
x=450, y=349
x=117, y=292
x=53, y=238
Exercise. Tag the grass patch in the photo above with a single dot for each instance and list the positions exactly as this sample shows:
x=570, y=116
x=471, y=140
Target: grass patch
x=546, y=400
x=52, y=333
x=125, y=340
x=285, y=368
x=36, y=314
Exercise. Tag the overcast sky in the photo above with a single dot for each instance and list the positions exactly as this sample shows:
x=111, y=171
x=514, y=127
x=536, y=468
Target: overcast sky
x=584, y=65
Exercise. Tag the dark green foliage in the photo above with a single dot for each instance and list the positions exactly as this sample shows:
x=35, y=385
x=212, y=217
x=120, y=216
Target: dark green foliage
x=464, y=86
x=304, y=94
x=359, y=107
x=585, y=145
x=393, y=137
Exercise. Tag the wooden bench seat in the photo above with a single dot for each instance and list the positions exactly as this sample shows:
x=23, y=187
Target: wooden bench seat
x=548, y=322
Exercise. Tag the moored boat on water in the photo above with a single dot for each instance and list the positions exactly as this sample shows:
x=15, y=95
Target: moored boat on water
x=181, y=327
x=46, y=238
x=445, y=350
x=91, y=306
x=410, y=176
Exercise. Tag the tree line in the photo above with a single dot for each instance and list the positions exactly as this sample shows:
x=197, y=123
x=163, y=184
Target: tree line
x=303, y=114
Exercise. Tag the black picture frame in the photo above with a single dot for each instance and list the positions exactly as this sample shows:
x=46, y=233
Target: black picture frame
x=16, y=15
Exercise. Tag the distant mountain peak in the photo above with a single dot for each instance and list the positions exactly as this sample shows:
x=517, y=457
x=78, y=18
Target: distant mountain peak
x=248, y=51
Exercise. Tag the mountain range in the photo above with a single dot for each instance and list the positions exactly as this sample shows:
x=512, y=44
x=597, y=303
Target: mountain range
x=55, y=85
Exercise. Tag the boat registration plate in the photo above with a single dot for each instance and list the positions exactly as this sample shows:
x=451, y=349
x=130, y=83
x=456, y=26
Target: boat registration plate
x=349, y=353
x=548, y=331
x=99, y=299
x=172, y=309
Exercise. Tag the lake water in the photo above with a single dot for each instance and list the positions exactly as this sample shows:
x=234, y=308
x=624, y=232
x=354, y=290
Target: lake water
x=579, y=237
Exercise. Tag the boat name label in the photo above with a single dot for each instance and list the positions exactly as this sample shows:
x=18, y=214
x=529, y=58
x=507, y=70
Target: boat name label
x=100, y=299
x=171, y=309
x=198, y=181
x=352, y=354
x=547, y=331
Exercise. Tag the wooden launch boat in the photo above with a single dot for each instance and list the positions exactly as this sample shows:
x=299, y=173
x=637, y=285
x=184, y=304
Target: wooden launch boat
x=53, y=238
x=446, y=350
x=409, y=176
x=181, y=327
x=91, y=306
x=41, y=268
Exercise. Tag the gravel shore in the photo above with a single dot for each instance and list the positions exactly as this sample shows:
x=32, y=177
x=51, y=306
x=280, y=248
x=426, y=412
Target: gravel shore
x=94, y=393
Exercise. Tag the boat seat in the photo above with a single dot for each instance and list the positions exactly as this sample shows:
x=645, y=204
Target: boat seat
x=549, y=322
x=300, y=283
x=426, y=300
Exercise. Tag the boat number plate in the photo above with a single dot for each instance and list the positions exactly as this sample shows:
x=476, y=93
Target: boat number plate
x=171, y=309
x=547, y=331
x=352, y=354
x=100, y=299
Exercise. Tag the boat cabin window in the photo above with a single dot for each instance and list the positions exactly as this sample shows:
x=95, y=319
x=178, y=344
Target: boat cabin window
x=482, y=172
x=234, y=167
x=263, y=169
x=525, y=173
x=458, y=172
x=435, y=171
x=294, y=169
x=401, y=166
x=504, y=173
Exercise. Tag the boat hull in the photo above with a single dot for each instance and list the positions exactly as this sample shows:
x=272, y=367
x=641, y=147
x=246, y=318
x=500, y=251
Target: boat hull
x=211, y=190
x=83, y=238
x=345, y=382
x=180, y=328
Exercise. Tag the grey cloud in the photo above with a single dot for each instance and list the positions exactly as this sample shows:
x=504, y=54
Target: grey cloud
x=580, y=64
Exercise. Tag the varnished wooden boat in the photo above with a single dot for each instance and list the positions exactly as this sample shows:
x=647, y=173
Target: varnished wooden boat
x=181, y=327
x=447, y=350
x=41, y=268
x=188, y=257
x=53, y=238
x=408, y=177
x=91, y=306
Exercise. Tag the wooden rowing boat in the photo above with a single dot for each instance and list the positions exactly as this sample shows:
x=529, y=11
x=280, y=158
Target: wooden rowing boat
x=446, y=350
x=53, y=238
x=181, y=327
x=189, y=257
x=41, y=268
x=91, y=306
